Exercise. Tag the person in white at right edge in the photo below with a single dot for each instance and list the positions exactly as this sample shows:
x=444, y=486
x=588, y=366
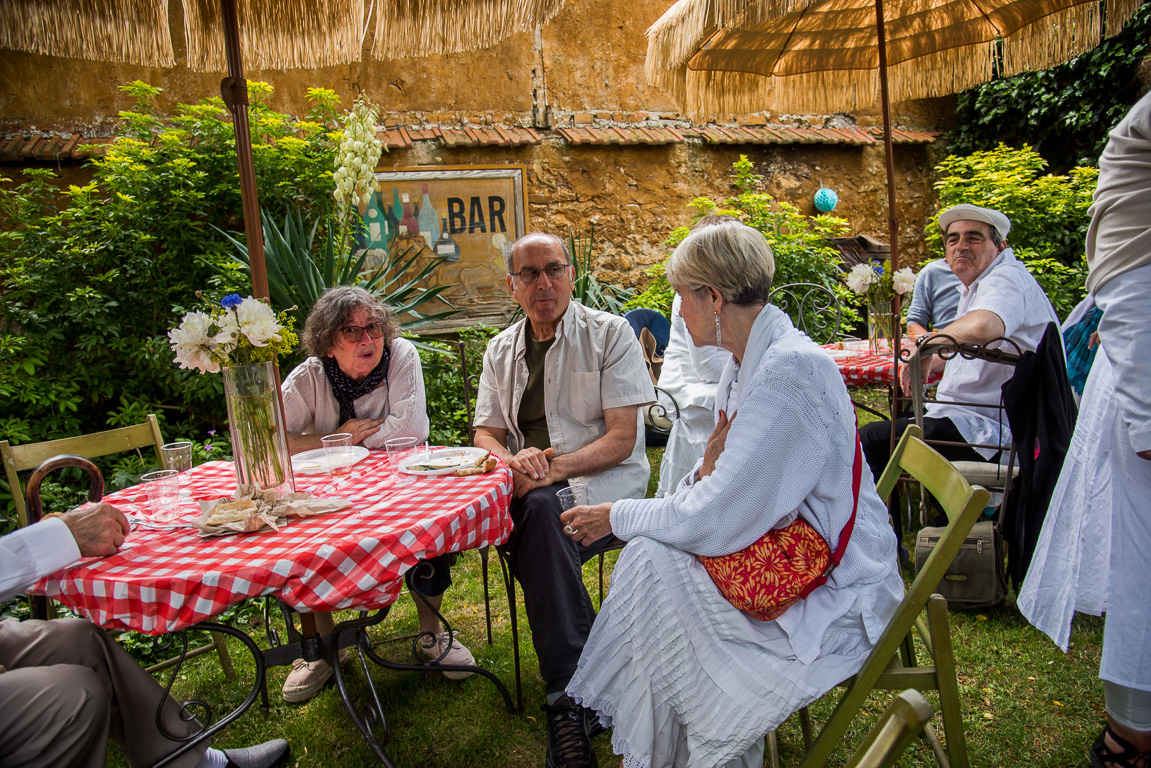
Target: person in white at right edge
x=1107, y=474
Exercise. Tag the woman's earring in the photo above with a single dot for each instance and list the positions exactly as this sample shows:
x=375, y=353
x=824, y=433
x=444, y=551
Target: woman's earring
x=718, y=332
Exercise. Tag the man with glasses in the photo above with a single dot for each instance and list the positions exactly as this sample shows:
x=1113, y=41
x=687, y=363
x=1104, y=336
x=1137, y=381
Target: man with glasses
x=559, y=401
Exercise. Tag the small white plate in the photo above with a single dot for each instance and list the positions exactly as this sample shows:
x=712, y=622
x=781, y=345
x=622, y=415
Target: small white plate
x=440, y=461
x=315, y=462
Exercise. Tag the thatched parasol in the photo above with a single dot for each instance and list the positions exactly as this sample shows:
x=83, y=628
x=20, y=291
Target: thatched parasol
x=269, y=34
x=733, y=56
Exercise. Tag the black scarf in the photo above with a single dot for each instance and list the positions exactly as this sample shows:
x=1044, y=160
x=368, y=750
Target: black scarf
x=348, y=391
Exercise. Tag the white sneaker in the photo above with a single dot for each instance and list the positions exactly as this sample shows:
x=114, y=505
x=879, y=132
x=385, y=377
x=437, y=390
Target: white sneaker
x=456, y=654
x=308, y=678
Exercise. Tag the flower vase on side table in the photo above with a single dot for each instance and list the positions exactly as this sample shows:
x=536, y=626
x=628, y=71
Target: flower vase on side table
x=879, y=333
x=256, y=423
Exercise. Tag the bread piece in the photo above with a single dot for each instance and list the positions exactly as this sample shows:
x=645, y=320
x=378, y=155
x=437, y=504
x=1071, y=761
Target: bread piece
x=487, y=466
x=231, y=512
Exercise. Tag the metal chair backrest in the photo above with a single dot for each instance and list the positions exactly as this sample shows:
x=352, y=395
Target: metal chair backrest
x=813, y=308
x=38, y=603
x=1001, y=351
x=21, y=458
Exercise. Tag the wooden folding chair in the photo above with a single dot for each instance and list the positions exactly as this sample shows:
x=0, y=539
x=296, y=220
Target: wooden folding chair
x=41, y=458
x=892, y=663
x=22, y=458
x=903, y=720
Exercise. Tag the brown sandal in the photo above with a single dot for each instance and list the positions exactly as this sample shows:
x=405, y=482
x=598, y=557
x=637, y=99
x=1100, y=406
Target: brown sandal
x=1102, y=757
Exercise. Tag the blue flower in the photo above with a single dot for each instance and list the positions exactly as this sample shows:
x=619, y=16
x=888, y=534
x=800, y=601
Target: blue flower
x=878, y=270
x=231, y=301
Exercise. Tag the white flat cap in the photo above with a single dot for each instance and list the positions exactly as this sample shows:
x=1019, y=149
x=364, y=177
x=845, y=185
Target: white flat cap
x=966, y=212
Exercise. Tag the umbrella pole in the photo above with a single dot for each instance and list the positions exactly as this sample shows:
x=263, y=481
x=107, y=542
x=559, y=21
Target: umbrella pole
x=892, y=229
x=892, y=216
x=234, y=90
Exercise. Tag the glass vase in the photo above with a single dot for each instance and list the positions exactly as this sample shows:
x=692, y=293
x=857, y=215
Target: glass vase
x=256, y=423
x=879, y=326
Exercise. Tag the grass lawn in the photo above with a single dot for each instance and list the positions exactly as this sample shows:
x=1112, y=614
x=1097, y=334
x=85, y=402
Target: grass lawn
x=1024, y=701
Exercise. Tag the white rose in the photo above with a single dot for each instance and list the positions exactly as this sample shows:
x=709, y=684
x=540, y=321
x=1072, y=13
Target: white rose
x=903, y=281
x=861, y=277
x=193, y=343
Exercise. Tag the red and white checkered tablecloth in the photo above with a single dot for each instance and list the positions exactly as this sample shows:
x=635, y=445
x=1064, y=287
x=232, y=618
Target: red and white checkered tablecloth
x=861, y=369
x=162, y=581
x=865, y=369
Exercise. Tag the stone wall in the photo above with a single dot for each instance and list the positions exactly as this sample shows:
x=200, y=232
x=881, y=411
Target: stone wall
x=585, y=68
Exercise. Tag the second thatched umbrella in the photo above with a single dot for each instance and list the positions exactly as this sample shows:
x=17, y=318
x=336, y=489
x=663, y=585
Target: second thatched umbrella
x=821, y=56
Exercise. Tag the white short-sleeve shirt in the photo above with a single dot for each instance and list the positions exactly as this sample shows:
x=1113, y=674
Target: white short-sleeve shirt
x=1007, y=289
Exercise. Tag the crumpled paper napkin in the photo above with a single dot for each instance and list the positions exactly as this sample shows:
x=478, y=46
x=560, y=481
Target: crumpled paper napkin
x=272, y=510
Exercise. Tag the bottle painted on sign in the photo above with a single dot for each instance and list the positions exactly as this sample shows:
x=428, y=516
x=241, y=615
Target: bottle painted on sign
x=395, y=212
x=446, y=247
x=429, y=220
x=408, y=224
x=380, y=228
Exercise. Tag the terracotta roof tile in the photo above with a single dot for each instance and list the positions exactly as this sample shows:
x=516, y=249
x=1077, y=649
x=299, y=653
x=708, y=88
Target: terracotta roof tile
x=901, y=136
x=27, y=148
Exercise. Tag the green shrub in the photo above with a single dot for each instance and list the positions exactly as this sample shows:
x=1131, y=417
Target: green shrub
x=444, y=385
x=93, y=280
x=1065, y=112
x=802, y=245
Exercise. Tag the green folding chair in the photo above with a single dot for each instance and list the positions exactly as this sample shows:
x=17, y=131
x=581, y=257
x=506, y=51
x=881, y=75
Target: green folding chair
x=892, y=663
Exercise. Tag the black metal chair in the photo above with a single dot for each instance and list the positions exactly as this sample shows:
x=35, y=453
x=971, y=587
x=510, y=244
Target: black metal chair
x=814, y=308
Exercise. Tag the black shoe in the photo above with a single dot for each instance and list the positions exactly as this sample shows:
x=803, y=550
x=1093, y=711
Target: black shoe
x=1101, y=756
x=568, y=742
x=591, y=722
x=270, y=754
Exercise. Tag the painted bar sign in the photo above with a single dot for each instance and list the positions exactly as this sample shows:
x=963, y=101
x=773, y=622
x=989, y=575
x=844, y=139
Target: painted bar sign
x=467, y=215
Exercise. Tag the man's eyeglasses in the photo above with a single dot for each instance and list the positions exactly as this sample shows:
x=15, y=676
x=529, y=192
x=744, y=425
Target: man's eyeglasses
x=353, y=333
x=529, y=275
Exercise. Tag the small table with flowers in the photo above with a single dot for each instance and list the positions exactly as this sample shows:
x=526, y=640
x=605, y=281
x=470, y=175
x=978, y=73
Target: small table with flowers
x=170, y=580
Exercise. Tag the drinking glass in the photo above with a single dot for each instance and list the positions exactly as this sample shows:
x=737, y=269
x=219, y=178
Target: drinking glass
x=163, y=489
x=575, y=495
x=337, y=451
x=178, y=456
x=400, y=449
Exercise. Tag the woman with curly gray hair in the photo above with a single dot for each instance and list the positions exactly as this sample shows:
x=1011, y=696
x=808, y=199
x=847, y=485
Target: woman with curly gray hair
x=359, y=377
x=362, y=379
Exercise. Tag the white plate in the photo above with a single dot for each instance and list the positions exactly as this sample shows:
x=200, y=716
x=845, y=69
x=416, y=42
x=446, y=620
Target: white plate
x=451, y=459
x=315, y=462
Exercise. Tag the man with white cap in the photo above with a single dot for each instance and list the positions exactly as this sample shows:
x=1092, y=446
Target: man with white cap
x=998, y=297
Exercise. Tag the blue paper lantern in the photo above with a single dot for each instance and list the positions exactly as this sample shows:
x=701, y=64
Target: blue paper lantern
x=826, y=200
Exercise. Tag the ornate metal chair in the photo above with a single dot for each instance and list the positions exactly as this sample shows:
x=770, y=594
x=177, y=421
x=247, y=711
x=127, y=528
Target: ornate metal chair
x=814, y=308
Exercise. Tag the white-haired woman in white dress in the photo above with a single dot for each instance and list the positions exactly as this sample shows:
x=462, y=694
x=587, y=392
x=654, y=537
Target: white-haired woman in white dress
x=682, y=676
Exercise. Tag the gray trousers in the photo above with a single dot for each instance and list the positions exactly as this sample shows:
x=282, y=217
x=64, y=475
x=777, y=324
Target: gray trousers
x=67, y=686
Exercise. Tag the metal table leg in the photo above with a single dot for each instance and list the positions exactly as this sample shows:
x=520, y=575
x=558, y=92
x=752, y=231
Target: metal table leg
x=198, y=709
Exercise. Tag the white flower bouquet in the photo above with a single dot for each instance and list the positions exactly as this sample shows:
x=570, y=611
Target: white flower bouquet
x=877, y=283
x=243, y=337
x=237, y=332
